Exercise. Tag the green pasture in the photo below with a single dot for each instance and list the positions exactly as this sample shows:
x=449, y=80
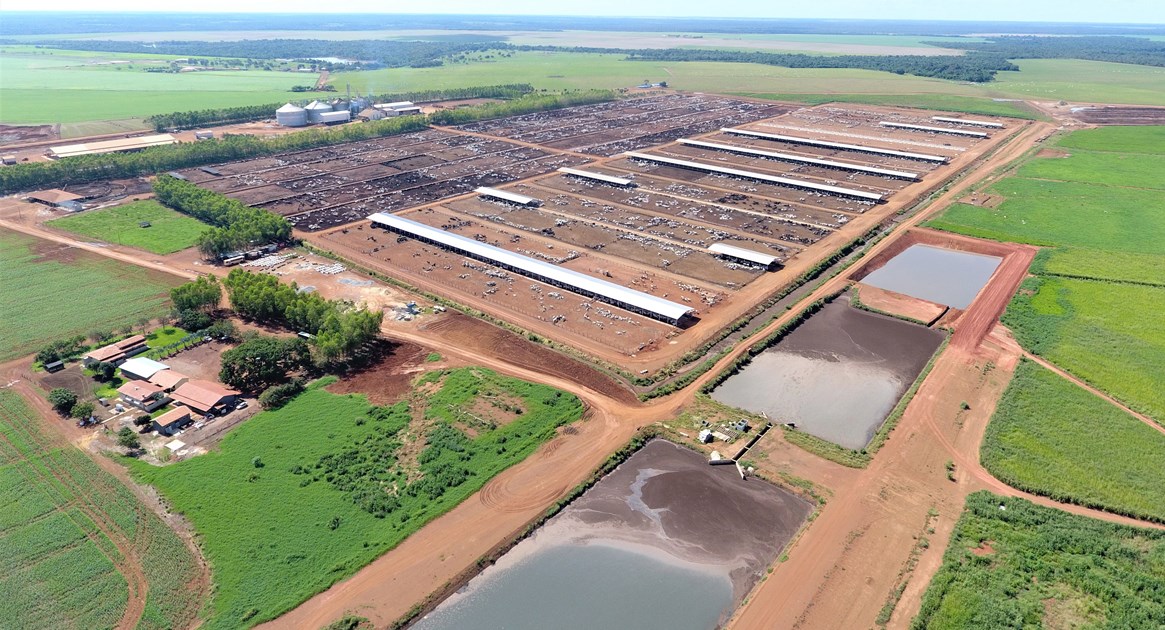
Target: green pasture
x=1103, y=332
x=282, y=506
x=1131, y=170
x=1088, y=451
x=1131, y=139
x=51, y=291
x=941, y=102
x=169, y=231
x=1013, y=564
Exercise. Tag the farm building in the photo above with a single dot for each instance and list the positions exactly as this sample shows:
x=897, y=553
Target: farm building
x=172, y=421
x=204, y=397
x=836, y=145
x=953, y=132
x=370, y=114
x=609, y=292
x=53, y=197
x=315, y=109
x=598, y=177
x=968, y=121
x=168, y=380
x=760, y=177
x=801, y=159
x=141, y=368
x=336, y=117
x=745, y=255
x=111, y=146
x=399, y=108
x=143, y=395
x=503, y=195
x=116, y=352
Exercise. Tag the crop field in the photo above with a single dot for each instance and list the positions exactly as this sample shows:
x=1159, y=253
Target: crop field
x=1102, y=332
x=1032, y=566
x=1088, y=452
x=169, y=231
x=51, y=291
x=299, y=498
x=50, y=86
x=61, y=569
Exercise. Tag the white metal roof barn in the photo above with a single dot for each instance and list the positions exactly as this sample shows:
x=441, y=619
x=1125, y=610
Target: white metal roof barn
x=599, y=177
x=609, y=292
x=505, y=195
x=770, y=179
x=836, y=145
x=786, y=157
x=954, y=132
x=757, y=258
x=968, y=121
x=111, y=146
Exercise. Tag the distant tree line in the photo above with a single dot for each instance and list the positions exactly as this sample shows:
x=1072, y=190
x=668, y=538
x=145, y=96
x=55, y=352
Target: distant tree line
x=89, y=168
x=978, y=66
x=1135, y=50
x=339, y=328
x=234, y=225
x=248, y=113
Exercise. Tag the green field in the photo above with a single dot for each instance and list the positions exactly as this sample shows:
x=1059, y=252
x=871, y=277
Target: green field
x=941, y=102
x=1092, y=217
x=51, y=291
x=1087, y=451
x=1148, y=139
x=52, y=86
x=57, y=566
x=299, y=498
x=168, y=232
x=1038, y=567
x=1103, y=332
x=1131, y=170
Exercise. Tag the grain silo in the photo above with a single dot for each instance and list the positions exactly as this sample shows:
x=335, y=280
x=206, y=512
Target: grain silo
x=291, y=116
x=314, y=109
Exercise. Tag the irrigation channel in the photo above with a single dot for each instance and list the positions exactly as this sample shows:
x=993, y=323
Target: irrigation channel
x=664, y=542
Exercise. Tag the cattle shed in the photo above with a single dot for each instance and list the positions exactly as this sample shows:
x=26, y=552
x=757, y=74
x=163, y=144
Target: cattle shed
x=111, y=146
x=53, y=197
x=598, y=177
x=760, y=177
x=746, y=255
x=801, y=159
x=505, y=195
x=968, y=121
x=609, y=292
x=837, y=145
x=928, y=129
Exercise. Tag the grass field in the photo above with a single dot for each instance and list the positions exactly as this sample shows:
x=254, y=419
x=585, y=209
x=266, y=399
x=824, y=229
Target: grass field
x=1104, y=332
x=57, y=566
x=53, y=86
x=168, y=232
x=1028, y=566
x=299, y=498
x=50, y=292
x=1131, y=170
x=941, y=102
x=1087, y=452
x=1147, y=139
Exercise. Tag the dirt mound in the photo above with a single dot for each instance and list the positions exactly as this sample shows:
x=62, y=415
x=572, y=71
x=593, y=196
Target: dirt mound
x=387, y=378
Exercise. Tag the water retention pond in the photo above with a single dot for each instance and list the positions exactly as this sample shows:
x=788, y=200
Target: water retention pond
x=935, y=274
x=664, y=542
x=837, y=375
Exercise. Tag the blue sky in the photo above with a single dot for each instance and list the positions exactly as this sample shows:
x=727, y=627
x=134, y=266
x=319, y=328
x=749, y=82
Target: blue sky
x=1140, y=11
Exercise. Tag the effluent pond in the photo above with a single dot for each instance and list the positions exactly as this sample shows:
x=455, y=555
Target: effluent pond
x=837, y=375
x=935, y=274
x=664, y=542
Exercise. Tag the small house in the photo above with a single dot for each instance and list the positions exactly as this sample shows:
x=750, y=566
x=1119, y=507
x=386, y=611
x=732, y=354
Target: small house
x=169, y=380
x=172, y=421
x=205, y=397
x=143, y=395
x=116, y=352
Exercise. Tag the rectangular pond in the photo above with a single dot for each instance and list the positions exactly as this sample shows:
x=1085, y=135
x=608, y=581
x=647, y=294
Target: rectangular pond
x=837, y=375
x=664, y=542
x=944, y=276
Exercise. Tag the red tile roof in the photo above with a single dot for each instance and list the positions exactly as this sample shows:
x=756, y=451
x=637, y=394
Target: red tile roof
x=177, y=414
x=202, y=395
x=117, y=349
x=139, y=390
x=168, y=378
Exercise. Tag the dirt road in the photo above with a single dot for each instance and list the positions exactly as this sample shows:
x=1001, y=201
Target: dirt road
x=1096, y=392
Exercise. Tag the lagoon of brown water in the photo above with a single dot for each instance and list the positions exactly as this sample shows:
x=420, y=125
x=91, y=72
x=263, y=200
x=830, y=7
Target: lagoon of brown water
x=664, y=542
x=837, y=375
x=943, y=276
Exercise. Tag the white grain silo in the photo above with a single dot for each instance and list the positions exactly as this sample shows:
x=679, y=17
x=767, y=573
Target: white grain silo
x=291, y=116
x=314, y=109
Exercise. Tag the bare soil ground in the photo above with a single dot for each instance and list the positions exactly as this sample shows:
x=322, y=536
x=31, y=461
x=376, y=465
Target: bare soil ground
x=1116, y=115
x=22, y=134
x=901, y=304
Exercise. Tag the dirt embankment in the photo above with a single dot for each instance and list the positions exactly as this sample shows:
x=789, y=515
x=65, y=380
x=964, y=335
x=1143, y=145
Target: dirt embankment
x=900, y=304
